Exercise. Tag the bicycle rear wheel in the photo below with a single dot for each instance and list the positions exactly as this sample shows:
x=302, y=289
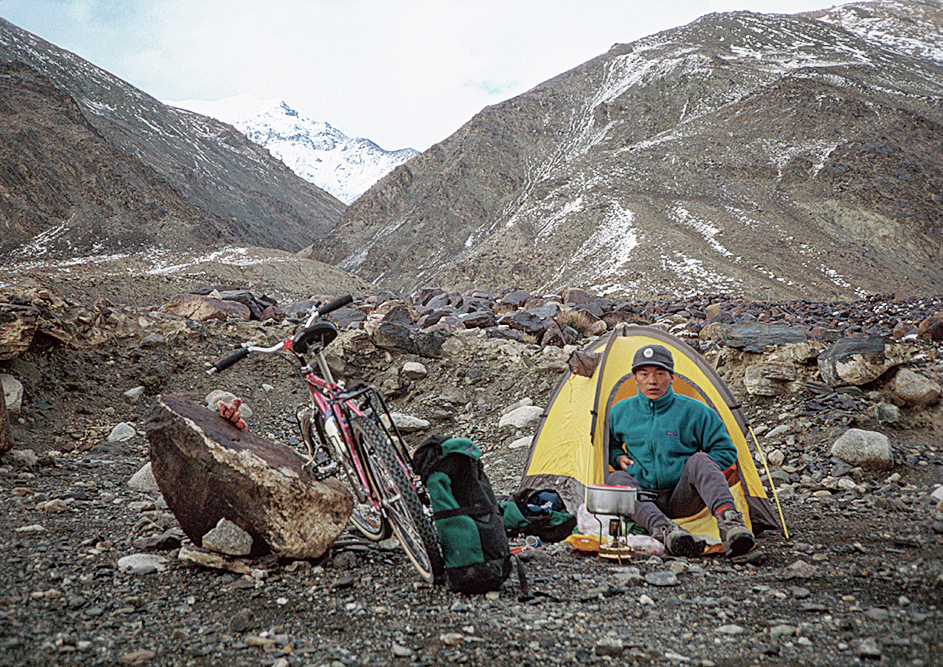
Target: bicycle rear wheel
x=392, y=477
x=366, y=517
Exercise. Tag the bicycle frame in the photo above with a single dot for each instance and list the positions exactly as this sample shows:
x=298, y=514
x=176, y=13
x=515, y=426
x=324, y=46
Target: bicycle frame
x=336, y=406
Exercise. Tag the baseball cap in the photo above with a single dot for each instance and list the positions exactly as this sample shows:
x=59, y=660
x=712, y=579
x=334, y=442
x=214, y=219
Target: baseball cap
x=654, y=355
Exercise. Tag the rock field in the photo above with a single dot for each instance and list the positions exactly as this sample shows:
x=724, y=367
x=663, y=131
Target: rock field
x=95, y=570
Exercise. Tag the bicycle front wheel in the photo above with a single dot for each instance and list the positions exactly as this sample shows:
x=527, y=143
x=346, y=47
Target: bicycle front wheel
x=393, y=485
x=366, y=517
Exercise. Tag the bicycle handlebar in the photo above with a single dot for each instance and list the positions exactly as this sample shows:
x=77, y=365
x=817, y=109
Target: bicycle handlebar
x=226, y=362
x=244, y=351
x=335, y=304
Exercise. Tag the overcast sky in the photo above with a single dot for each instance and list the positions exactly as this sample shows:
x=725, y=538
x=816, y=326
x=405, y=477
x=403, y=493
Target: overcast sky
x=403, y=73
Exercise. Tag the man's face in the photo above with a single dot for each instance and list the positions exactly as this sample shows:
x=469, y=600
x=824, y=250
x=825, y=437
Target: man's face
x=652, y=381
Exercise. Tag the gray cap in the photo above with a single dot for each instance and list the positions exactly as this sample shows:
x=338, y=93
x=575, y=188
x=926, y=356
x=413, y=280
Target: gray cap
x=654, y=355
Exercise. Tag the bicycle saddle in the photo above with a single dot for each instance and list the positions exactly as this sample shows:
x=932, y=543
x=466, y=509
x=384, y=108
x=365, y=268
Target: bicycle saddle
x=319, y=333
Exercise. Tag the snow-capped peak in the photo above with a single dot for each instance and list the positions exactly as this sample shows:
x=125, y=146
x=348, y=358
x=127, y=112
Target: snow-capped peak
x=315, y=150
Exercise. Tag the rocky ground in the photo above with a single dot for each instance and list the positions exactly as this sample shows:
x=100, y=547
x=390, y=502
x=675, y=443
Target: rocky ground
x=858, y=580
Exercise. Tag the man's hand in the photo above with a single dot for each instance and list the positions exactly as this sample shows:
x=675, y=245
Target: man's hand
x=624, y=461
x=230, y=411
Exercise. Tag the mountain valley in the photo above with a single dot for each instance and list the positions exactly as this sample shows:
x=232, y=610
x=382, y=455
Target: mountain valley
x=763, y=187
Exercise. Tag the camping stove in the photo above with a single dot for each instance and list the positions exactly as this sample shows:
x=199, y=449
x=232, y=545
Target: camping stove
x=618, y=501
x=614, y=550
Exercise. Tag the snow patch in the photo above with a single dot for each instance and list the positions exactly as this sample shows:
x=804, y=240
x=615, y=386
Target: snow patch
x=607, y=250
x=708, y=231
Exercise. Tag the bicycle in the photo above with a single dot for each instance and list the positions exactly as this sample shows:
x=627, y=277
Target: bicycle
x=344, y=432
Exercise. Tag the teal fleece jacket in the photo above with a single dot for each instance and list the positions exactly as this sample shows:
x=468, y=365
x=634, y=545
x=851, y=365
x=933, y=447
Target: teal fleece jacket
x=659, y=436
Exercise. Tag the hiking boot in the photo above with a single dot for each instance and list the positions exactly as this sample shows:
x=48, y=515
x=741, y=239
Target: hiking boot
x=736, y=537
x=678, y=541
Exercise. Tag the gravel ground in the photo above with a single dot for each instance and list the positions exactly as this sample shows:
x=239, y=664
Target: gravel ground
x=859, y=580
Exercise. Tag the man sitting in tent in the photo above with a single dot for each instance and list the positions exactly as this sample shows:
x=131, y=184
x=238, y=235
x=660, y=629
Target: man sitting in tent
x=677, y=447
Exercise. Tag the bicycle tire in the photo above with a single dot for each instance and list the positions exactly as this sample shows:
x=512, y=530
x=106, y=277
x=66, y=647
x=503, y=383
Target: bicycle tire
x=367, y=519
x=400, y=501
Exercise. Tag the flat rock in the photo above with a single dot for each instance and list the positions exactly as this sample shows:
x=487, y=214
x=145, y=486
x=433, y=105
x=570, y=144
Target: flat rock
x=213, y=560
x=142, y=563
x=755, y=337
x=662, y=578
x=857, y=361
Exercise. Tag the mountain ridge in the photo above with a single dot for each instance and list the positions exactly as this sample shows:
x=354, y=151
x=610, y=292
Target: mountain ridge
x=745, y=153
x=234, y=191
x=320, y=153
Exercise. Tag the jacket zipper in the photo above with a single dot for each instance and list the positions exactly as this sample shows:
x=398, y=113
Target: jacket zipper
x=651, y=444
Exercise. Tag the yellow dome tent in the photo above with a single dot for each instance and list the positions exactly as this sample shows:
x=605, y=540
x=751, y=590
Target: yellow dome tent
x=569, y=449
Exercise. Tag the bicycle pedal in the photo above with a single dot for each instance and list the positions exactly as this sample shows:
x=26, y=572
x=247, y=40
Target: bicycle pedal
x=322, y=472
x=324, y=465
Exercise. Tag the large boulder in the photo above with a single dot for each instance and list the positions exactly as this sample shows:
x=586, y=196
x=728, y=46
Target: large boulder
x=202, y=308
x=515, y=298
x=403, y=338
x=857, y=361
x=208, y=470
x=479, y=319
x=17, y=326
x=914, y=388
x=255, y=305
x=526, y=322
x=347, y=317
x=577, y=296
x=867, y=449
x=397, y=311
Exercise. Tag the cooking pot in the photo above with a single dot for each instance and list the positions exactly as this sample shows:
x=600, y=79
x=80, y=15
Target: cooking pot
x=616, y=500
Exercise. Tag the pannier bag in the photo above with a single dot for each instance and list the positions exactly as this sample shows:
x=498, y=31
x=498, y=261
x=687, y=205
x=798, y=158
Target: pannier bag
x=467, y=517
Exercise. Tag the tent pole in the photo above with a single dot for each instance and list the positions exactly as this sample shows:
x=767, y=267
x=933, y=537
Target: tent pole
x=782, y=520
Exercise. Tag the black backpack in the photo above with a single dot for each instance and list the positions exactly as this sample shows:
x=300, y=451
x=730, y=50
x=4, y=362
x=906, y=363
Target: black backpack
x=467, y=517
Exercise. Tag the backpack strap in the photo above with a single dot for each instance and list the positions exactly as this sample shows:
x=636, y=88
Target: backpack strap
x=525, y=595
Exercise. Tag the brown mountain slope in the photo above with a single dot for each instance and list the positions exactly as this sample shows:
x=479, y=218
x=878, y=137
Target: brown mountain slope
x=765, y=155
x=54, y=166
x=104, y=165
